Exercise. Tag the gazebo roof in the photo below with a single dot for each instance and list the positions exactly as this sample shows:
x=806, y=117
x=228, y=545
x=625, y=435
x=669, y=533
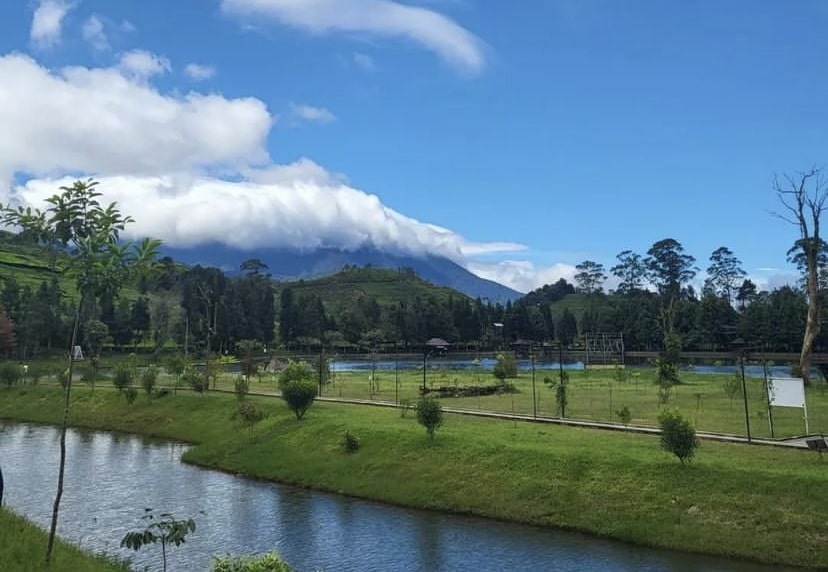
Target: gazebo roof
x=437, y=343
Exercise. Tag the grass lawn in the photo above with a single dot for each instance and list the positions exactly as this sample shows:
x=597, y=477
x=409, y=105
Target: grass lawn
x=595, y=395
x=23, y=548
x=751, y=502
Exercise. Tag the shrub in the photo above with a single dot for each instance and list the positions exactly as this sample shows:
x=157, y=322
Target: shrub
x=429, y=414
x=197, y=381
x=350, y=442
x=295, y=371
x=733, y=387
x=35, y=374
x=249, y=413
x=678, y=436
x=299, y=396
x=149, y=377
x=269, y=562
x=506, y=367
x=131, y=395
x=620, y=374
x=123, y=377
x=241, y=386
x=624, y=415
x=10, y=373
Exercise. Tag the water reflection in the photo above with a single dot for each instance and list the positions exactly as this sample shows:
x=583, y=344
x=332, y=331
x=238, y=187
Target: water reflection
x=111, y=478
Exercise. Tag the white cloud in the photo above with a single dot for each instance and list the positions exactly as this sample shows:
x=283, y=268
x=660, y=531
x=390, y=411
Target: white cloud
x=304, y=171
x=94, y=34
x=104, y=121
x=364, y=62
x=199, y=72
x=299, y=208
x=426, y=27
x=47, y=23
x=141, y=64
x=522, y=275
x=311, y=114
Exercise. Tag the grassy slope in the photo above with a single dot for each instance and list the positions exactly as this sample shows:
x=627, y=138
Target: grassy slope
x=23, y=545
x=387, y=286
x=750, y=502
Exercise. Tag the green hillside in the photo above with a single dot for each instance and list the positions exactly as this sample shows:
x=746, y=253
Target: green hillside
x=385, y=285
x=29, y=265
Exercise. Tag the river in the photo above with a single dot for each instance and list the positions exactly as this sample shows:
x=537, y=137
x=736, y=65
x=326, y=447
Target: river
x=111, y=478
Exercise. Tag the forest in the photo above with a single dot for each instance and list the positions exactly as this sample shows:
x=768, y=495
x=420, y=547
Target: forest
x=172, y=306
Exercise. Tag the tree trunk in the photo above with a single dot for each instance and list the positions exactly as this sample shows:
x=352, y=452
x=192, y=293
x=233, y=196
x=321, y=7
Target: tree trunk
x=66, y=403
x=812, y=324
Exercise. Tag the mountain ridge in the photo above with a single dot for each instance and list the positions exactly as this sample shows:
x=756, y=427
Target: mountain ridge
x=287, y=265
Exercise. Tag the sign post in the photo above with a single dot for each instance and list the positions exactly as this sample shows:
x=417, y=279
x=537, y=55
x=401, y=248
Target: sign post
x=788, y=392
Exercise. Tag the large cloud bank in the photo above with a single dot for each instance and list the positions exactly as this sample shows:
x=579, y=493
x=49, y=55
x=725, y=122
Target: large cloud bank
x=158, y=156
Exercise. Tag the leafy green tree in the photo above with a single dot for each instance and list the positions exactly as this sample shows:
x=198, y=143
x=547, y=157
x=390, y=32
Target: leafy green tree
x=7, y=336
x=299, y=396
x=139, y=320
x=295, y=371
x=630, y=271
x=149, y=378
x=176, y=365
x=163, y=529
x=590, y=277
x=10, y=373
x=678, y=436
x=567, y=327
x=98, y=260
x=724, y=273
x=429, y=414
x=505, y=367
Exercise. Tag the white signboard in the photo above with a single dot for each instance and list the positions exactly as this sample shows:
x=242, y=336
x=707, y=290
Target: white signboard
x=786, y=392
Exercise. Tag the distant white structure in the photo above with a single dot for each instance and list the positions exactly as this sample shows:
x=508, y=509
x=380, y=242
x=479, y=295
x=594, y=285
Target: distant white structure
x=77, y=353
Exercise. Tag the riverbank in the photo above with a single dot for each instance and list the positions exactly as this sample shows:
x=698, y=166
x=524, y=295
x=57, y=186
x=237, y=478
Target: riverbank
x=23, y=546
x=737, y=500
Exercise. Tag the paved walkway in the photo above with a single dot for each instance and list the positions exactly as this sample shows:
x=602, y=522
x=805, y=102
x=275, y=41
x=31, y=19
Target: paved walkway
x=791, y=443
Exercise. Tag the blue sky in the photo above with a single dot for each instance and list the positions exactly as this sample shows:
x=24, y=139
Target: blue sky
x=517, y=138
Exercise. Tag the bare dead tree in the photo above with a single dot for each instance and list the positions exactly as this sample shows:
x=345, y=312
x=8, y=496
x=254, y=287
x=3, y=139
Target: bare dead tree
x=803, y=196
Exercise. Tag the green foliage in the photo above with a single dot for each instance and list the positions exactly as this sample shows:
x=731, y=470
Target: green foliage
x=176, y=365
x=405, y=405
x=196, y=380
x=241, y=386
x=620, y=374
x=733, y=387
x=268, y=562
x=163, y=529
x=130, y=394
x=429, y=414
x=10, y=373
x=350, y=442
x=506, y=367
x=149, y=378
x=123, y=376
x=249, y=413
x=295, y=371
x=678, y=436
x=299, y=396
x=560, y=386
x=624, y=415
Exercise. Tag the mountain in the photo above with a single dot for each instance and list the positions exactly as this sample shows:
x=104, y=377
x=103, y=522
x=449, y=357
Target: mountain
x=287, y=264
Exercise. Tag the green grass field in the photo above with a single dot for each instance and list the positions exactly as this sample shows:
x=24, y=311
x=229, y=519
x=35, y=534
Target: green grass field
x=595, y=396
x=23, y=548
x=751, y=502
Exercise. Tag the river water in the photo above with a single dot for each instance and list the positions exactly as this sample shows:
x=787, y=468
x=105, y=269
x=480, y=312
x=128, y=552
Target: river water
x=111, y=478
